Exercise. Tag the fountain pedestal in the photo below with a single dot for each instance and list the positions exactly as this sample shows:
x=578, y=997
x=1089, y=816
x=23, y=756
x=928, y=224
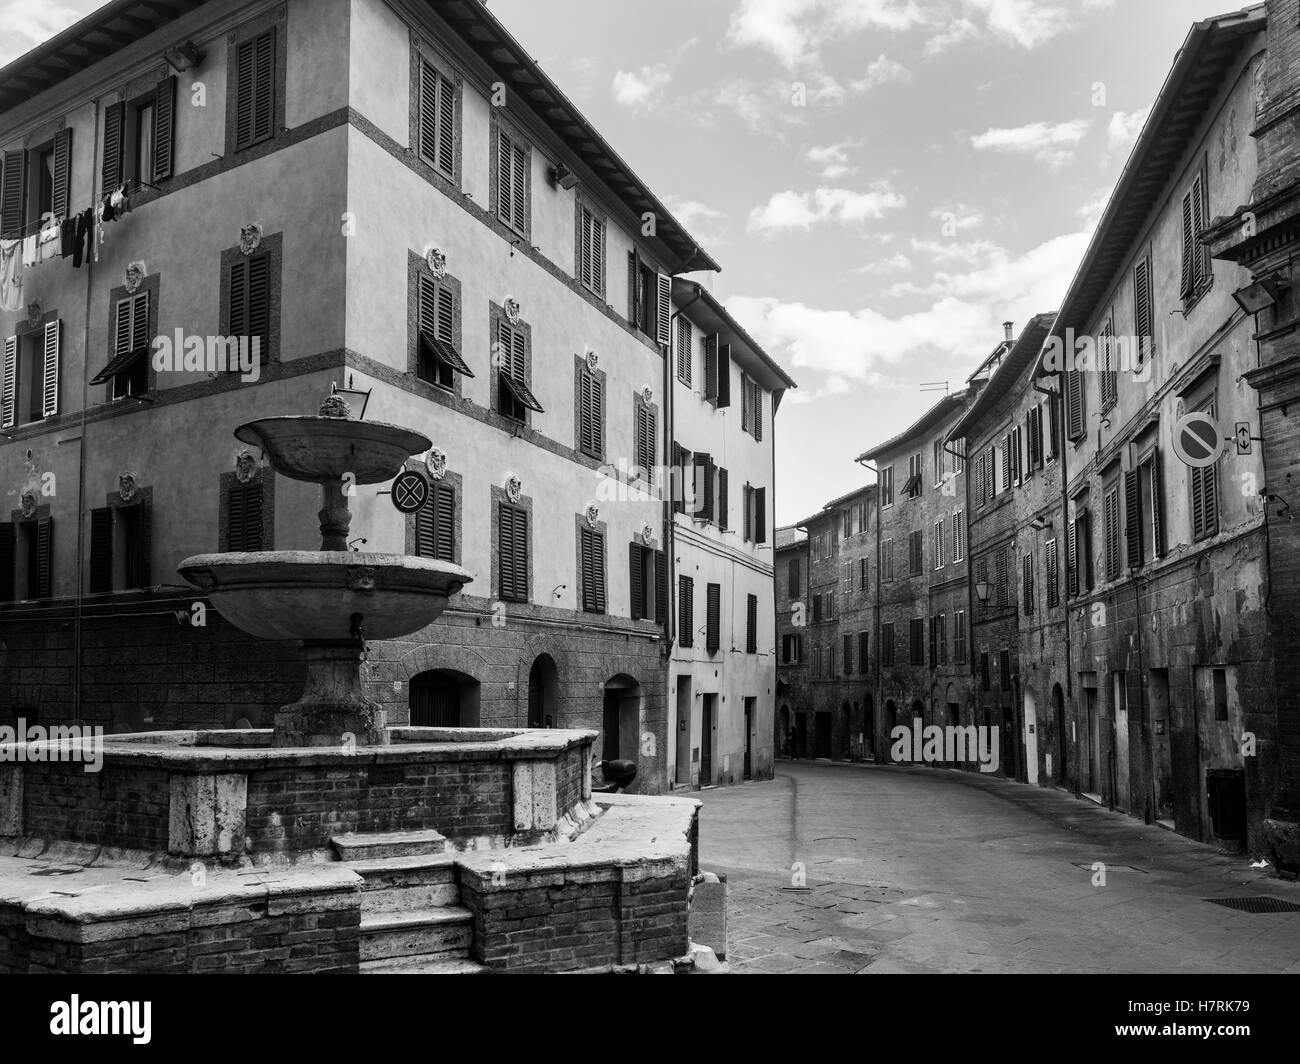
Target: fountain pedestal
x=333, y=709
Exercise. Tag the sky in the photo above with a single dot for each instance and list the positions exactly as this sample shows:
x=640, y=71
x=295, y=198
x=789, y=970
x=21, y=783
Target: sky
x=884, y=182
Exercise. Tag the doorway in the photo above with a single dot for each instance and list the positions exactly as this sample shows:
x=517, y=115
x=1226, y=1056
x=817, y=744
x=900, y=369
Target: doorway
x=620, y=719
x=708, y=723
x=441, y=698
x=1094, y=744
x=750, y=704
x=1119, y=689
x=1031, y=738
x=543, y=686
x=1062, y=739
x=823, y=736
x=683, y=773
x=801, y=734
x=1162, y=763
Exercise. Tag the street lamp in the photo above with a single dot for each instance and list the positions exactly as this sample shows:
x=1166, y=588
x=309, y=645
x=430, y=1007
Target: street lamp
x=982, y=590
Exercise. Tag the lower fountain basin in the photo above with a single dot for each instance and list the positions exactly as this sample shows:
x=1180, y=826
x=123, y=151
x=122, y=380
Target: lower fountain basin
x=314, y=595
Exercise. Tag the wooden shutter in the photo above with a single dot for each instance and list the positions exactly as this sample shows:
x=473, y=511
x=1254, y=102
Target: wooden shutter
x=139, y=321
x=506, y=550
x=244, y=514
x=713, y=639
x=686, y=611
x=1157, y=516
x=1142, y=308
x=1189, y=247
x=519, y=187
x=44, y=569
x=110, y=170
x=259, y=300
x=50, y=376
x=633, y=288
x=62, y=184
x=711, y=343
x=238, y=299
x=13, y=193
x=164, y=129
x=1000, y=578
x=8, y=558
x=437, y=121
x=1027, y=582
x=255, y=90
x=747, y=520
x=101, y=551
x=723, y=506
x=704, y=467
x=685, y=352
x=636, y=579
x=724, y=375
x=593, y=571
x=663, y=309
x=661, y=586
x=751, y=627
x=1133, y=517
x=1050, y=563
x=144, y=544
x=760, y=515
x=589, y=403
x=443, y=504
x=1110, y=517
x=1075, y=415
x=1205, y=503
x=1201, y=256
x=793, y=578
x=9, y=383
x=744, y=403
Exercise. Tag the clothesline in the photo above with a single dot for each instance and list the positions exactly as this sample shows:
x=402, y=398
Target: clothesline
x=41, y=224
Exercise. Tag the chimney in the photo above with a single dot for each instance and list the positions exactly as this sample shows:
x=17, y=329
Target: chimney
x=1007, y=326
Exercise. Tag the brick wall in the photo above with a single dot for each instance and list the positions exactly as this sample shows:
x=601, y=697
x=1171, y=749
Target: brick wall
x=124, y=807
x=569, y=776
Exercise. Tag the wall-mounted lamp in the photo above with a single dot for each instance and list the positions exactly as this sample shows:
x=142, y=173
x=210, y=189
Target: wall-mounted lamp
x=353, y=395
x=1264, y=293
x=564, y=177
x=183, y=57
x=1040, y=523
x=982, y=589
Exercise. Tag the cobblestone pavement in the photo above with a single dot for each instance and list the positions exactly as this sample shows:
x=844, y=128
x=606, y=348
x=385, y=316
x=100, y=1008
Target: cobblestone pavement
x=929, y=870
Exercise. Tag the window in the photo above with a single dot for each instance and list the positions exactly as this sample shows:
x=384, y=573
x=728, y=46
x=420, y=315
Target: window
x=244, y=516
x=887, y=487
x=592, y=568
x=1197, y=274
x=981, y=485
x=755, y=523
x=958, y=536
x=35, y=186
x=847, y=518
x=29, y=375
x=254, y=95
x=751, y=407
x=917, y=641
x=1205, y=493
x=984, y=671
x=1051, y=566
x=940, y=460
x=1142, y=311
x=1109, y=382
x=912, y=488
x=249, y=282
x=939, y=539
x=887, y=644
x=886, y=560
x=793, y=581
x=436, y=135
x=713, y=636
x=514, y=398
x=512, y=552
x=1027, y=585
x=26, y=558
x=1111, y=519
x=864, y=518
x=685, y=351
x=863, y=645
x=1034, y=438
x=1076, y=420
x=128, y=371
x=1150, y=518
x=792, y=649
x=982, y=577
x=959, y=637
x=1000, y=580
x=435, y=525
x=1015, y=451
x=650, y=307
x=863, y=566
x=848, y=654
x=1220, y=680
x=513, y=180
x=121, y=546
x=647, y=425
x=686, y=612
x=648, y=587
x=1051, y=420
x=591, y=414
x=942, y=629
x=1078, y=552
x=915, y=554
x=438, y=357
x=1004, y=669
x=591, y=250
x=830, y=662
x=835, y=538
x=751, y=624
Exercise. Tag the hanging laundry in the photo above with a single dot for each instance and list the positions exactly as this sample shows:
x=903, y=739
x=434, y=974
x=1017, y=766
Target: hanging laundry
x=29, y=251
x=85, y=232
x=11, y=276
x=107, y=212
x=68, y=237
x=48, y=243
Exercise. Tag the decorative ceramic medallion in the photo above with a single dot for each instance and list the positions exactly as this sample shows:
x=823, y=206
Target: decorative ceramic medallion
x=512, y=309
x=250, y=238
x=135, y=277
x=647, y=533
x=593, y=514
x=34, y=312
x=126, y=486
x=514, y=488
x=593, y=360
x=436, y=463
x=245, y=467
x=28, y=504
x=437, y=263
x=648, y=395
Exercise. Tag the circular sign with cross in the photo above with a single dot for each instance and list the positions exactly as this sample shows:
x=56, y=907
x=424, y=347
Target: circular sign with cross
x=1198, y=440
x=410, y=491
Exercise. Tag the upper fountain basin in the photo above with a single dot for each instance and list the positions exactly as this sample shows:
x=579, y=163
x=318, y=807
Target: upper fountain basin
x=294, y=594
x=320, y=449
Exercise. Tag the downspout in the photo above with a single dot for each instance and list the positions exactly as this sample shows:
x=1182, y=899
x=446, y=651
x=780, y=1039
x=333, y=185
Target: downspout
x=877, y=745
x=670, y=526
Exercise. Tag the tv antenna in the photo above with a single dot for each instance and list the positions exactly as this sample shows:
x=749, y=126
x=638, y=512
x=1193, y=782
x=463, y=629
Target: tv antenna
x=934, y=386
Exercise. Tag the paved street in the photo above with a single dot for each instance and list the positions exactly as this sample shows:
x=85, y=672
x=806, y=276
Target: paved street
x=928, y=870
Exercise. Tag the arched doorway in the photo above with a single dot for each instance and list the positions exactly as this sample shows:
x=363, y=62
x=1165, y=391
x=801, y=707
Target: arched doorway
x=620, y=719
x=443, y=698
x=543, y=692
x=1062, y=736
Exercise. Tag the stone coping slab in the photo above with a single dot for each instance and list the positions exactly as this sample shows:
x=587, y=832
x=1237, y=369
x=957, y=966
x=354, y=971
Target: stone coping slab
x=181, y=752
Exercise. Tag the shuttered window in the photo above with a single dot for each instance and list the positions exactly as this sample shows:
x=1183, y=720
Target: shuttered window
x=959, y=637
x=250, y=302
x=13, y=194
x=915, y=558
x=1142, y=310
x=751, y=408
x=9, y=383
x=254, y=90
x=514, y=397
x=939, y=539
x=886, y=560
x=126, y=532
x=648, y=583
x=792, y=581
x=984, y=671
x=591, y=251
x=848, y=654
x=101, y=551
x=916, y=641
x=1109, y=370
x=592, y=557
x=437, y=133
x=1155, y=525
x=439, y=355
x=1075, y=412
x=62, y=176
x=1078, y=554
x=704, y=471
x=512, y=552
x=717, y=371
x=1004, y=669
x=128, y=372
x=50, y=369
x=164, y=129
x=1051, y=566
x=1133, y=537
x=958, y=536
x=864, y=642
x=713, y=634
x=8, y=560
x=1196, y=273
x=1000, y=578
x=863, y=573
x=244, y=517
x=646, y=435
x=1027, y=585
x=887, y=644
x=1205, y=502
x=1111, y=520
x=512, y=181
x=685, y=352
x=724, y=502
x=686, y=611
x=591, y=409
x=1034, y=438
x=435, y=525
x=751, y=624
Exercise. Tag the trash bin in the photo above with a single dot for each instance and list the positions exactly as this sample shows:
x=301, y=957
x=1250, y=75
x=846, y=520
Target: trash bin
x=1226, y=790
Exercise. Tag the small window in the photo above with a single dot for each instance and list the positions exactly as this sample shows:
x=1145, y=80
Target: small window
x=592, y=574
x=439, y=358
x=591, y=250
x=435, y=524
x=514, y=397
x=513, y=172
x=437, y=130
x=512, y=548
x=1220, y=679
x=751, y=624
x=686, y=614
x=254, y=94
x=887, y=644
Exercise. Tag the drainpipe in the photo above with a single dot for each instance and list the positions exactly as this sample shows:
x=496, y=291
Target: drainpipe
x=670, y=526
x=879, y=746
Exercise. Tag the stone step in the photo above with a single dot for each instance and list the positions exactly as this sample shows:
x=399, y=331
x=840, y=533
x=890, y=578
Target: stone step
x=424, y=964
x=446, y=931
x=403, y=884
x=357, y=846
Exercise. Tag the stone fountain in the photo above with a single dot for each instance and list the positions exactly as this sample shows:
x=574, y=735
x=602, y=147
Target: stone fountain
x=332, y=600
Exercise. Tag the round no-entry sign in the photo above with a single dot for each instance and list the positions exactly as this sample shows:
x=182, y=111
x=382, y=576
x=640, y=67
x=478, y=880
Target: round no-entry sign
x=1198, y=440
x=410, y=491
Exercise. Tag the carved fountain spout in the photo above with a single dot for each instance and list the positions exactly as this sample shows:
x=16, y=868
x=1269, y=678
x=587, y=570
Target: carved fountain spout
x=331, y=600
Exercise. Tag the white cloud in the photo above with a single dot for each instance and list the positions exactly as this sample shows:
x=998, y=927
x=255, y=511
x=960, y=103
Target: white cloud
x=803, y=210
x=702, y=220
x=896, y=263
x=1124, y=128
x=636, y=88
x=1027, y=23
x=28, y=23
x=795, y=30
x=833, y=159
x=957, y=218
x=1050, y=143
x=883, y=71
